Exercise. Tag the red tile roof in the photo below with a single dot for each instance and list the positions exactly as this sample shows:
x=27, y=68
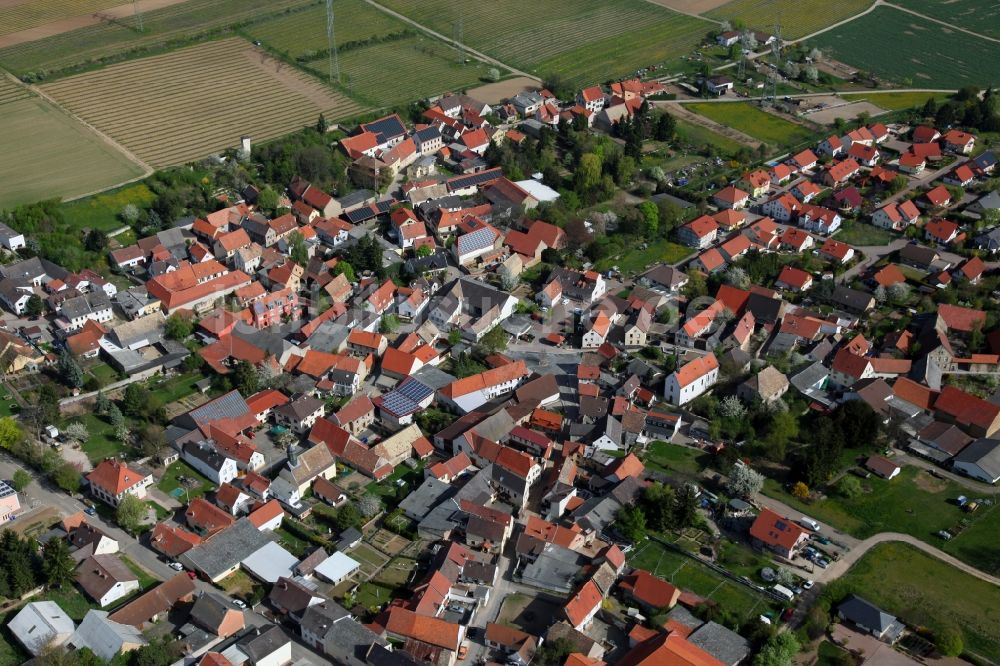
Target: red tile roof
x=915, y=393
x=486, y=379
x=774, y=530
x=668, y=650
x=696, y=369
x=650, y=590
x=583, y=603
x=731, y=195
x=957, y=318
x=114, y=476
x=939, y=196
x=266, y=513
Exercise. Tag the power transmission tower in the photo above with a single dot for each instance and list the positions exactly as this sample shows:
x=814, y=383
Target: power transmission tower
x=138, y=14
x=776, y=55
x=331, y=40
x=457, y=37
x=741, y=68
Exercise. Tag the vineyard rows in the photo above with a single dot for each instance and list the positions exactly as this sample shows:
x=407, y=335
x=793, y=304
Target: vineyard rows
x=797, y=18
x=33, y=13
x=981, y=16
x=187, y=104
x=304, y=31
x=404, y=70
x=614, y=36
x=160, y=27
x=11, y=91
x=901, y=47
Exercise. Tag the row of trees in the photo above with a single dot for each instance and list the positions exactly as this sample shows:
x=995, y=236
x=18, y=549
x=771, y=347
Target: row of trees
x=660, y=508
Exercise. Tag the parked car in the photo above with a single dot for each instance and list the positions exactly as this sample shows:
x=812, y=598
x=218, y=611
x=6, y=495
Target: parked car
x=807, y=585
x=176, y=566
x=90, y=511
x=239, y=603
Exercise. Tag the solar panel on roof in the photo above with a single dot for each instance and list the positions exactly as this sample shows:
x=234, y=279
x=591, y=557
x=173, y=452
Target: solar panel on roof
x=227, y=406
x=474, y=179
x=5, y=490
x=385, y=128
x=477, y=240
x=414, y=389
x=398, y=403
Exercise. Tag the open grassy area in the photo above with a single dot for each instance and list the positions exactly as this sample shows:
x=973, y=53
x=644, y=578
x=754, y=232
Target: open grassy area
x=145, y=580
x=854, y=232
x=980, y=16
x=101, y=212
x=636, y=260
x=291, y=542
x=896, y=101
x=797, y=17
x=752, y=121
x=688, y=574
x=923, y=591
x=913, y=503
x=171, y=482
x=699, y=137
x=173, y=389
x=583, y=41
x=48, y=154
x=901, y=47
x=102, y=442
x=673, y=458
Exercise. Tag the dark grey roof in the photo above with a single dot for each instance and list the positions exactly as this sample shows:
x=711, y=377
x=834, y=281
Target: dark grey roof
x=432, y=262
x=85, y=304
x=356, y=198
x=205, y=453
x=724, y=644
x=382, y=656
x=386, y=128
x=428, y=494
x=865, y=614
x=263, y=642
x=853, y=299
x=300, y=408
x=984, y=453
x=209, y=609
x=6, y=233
x=918, y=254
x=226, y=549
x=764, y=308
x=230, y=405
x=348, y=641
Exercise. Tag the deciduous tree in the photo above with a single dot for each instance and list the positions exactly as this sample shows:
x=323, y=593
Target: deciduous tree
x=131, y=510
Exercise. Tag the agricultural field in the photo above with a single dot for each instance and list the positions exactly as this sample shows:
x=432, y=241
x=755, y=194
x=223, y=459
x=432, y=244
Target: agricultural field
x=583, y=41
x=980, y=16
x=752, y=121
x=94, y=44
x=900, y=47
x=923, y=591
x=400, y=71
x=896, y=101
x=49, y=154
x=699, y=136
x=302, y=34
x=169, y=109
x=18, y=16
x=798, y=18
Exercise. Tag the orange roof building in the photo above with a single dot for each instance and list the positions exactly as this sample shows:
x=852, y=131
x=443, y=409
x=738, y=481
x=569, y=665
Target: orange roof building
x=777, y=533
x=112, y=479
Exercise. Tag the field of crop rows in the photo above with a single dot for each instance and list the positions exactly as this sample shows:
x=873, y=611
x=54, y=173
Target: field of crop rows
x=901, y=47
x=798, y=18
x=981, y=16
x=185, y=105
x=304, y=32
x=403, y=70
x=33, y=13
x=11, y=91
x=160, y=27
x=752, y=121
x=587, y=41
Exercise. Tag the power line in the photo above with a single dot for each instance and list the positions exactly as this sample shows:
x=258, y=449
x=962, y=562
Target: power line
x=331, y=40
x=138, y=14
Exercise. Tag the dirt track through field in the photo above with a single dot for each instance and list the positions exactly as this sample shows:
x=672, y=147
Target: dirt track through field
x=493, y=93
x=75, y=22
x=693, y=7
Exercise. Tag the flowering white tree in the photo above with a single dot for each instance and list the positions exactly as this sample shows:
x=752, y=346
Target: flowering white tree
x=744, y=482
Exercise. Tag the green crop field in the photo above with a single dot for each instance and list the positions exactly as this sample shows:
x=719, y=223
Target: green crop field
x=798, y=18
x=33, y=13
x=161, y=27
x=303, y=33
x=402, y=70
x=49, y=154
x=982, y=16
x=752, y=121
x=895, y=101
x=903, y=48
x=924, y=591
x=585, y=41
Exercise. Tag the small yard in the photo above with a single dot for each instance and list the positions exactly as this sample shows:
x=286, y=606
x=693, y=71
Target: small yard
x=238, y=584
x=861, y=234
x=103, y=373
x=676, y=459
x=292, y=543
x=102, y=442
x=145, y=580
x=923, y=591
x=636, y=260
x=688, y=574
x=182, y=482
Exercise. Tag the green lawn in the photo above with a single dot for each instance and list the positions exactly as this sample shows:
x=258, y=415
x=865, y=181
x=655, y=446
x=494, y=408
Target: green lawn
x=752, y=121
x=175, y=388
x=145, y=580
x=676, y=458
x=161, y=512
x=71, y=601
x=102, y=442
x=103, y=373
x=913, y=503
x=371, y=595
x=699, y=137
x=688, y=574
x=853, y=232
x=830, y=655
x=292, y=543
x=895, y=101
x=101, y=212
x=636, y=260
x=923, y=591
x=170, y=481
x=980, y=16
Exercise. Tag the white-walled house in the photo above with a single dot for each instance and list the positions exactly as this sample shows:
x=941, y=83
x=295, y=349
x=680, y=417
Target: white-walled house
x=209, y=462
x=692, y=380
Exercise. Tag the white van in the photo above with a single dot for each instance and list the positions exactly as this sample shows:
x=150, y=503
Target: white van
x=809, y=523
x=784, y=592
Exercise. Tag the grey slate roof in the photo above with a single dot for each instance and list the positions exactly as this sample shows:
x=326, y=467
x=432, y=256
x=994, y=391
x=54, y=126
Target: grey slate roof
x=865, y=614
x=226, y=549
x=984, y=453
x=724, y=644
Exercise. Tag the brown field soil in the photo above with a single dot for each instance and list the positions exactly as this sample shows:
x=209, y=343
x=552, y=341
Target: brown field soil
x=185, y=105
x=61, y=25
x=494, y=93
x=846, y=111
x=690, y=6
